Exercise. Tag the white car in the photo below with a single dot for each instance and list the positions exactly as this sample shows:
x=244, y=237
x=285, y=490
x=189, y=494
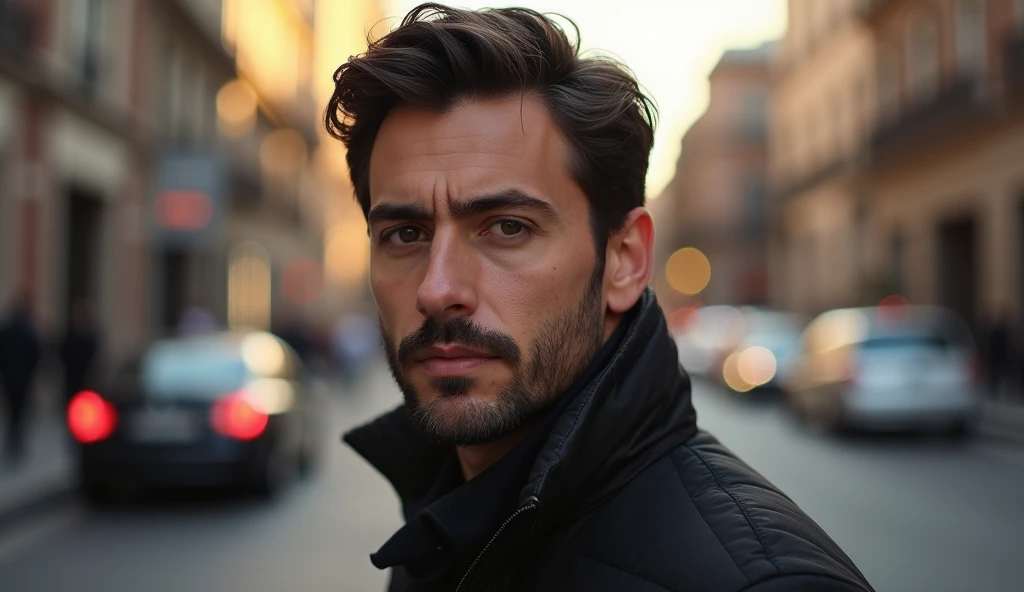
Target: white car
x=886, y=368
x=706, y=335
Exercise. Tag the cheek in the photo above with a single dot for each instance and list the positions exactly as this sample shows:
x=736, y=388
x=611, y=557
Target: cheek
x=395, y=296
x=546, y=286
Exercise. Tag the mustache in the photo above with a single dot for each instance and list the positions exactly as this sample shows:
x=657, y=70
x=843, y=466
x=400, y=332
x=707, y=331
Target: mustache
x=460, y=331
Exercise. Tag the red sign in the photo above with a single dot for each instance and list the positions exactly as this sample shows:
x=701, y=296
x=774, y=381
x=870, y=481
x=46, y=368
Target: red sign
x=183, y=210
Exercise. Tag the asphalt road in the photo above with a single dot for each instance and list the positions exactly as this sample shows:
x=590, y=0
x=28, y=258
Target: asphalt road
x=915, y=514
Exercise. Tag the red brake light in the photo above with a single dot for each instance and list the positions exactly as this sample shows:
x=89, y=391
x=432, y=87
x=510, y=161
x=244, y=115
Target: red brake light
x=91, y=418
x=235, y=417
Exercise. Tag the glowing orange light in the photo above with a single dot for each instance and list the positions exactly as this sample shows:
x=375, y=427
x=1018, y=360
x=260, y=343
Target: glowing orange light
x=91, y=418
x=756, y=366
x=731, y=374
x=688, y=271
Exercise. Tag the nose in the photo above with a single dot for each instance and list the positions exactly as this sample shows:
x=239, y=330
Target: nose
x=448, y=289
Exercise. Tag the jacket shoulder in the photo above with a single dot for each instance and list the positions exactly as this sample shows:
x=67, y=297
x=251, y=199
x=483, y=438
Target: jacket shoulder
x=700, y=518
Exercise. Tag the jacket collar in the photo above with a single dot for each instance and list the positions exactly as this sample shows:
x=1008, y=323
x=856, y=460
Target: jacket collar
x=630, y=414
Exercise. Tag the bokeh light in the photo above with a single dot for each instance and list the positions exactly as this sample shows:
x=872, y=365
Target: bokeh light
x=263, y=354
x=347, y=251
x=236, y=108
x=731, y=374
x=283, y=152
x=756, y=365
x=688, y=271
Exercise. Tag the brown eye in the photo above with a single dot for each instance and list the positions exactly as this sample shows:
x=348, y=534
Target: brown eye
x=405, y=235
x=510, y=227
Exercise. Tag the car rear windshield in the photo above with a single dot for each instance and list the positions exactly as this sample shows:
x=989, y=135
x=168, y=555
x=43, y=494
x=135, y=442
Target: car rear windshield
x=193, y=369
x=908, y=341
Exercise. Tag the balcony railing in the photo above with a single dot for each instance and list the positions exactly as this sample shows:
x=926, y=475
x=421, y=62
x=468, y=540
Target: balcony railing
x=955, y=111
x=830, y=169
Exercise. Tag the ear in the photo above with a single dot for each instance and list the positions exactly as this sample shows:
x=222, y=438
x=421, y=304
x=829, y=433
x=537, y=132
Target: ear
x=628, y=261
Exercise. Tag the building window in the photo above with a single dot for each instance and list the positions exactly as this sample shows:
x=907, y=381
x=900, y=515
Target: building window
x=923, y=57
x=888, y=82
x=971, y=53
x=87, y=31
x=754, y=114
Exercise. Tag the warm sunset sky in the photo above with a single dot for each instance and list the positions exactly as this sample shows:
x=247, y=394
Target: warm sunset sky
x=671, y=45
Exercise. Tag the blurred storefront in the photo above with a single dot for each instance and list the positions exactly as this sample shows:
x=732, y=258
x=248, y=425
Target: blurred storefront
x=712, y=215
x=159, y=158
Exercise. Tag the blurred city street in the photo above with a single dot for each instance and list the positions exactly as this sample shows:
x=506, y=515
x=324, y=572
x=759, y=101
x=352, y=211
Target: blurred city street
x=838, y=192
x=317, y=536
x=878, y=497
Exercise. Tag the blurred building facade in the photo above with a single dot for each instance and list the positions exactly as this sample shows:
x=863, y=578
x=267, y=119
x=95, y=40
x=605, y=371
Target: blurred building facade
x=896, y=136
x=157, y=157
x=715, y=203
x=821, y=115
x=946, y=156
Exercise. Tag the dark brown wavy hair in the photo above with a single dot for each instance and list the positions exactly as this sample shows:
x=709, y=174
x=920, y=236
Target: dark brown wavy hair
x=440, y=56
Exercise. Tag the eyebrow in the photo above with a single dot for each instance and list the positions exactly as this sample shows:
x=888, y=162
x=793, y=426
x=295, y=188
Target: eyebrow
x=385, y=211
x=509, y=198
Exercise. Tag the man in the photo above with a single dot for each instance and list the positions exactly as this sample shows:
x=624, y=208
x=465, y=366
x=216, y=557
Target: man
x=19, y=356
x=547, y=441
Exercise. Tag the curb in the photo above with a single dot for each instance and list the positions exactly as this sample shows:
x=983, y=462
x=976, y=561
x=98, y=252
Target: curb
x=42, y=501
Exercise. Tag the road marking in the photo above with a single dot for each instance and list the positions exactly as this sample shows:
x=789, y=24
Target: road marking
x=37, y=529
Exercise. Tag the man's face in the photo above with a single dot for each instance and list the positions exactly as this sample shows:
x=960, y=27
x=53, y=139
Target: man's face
x=483, y=265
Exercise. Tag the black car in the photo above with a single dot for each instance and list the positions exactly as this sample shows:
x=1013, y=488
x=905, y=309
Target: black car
x=213, y=410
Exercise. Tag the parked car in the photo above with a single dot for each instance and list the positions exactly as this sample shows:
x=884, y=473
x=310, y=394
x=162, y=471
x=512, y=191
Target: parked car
x=886, y=368
x=764, y=346
x=701, y=341
x=220, y=409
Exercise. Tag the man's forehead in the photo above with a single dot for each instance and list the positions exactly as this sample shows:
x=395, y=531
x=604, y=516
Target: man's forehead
x=476, y=147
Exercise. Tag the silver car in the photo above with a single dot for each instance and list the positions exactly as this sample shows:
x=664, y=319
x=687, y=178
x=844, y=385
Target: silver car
x=886, y=368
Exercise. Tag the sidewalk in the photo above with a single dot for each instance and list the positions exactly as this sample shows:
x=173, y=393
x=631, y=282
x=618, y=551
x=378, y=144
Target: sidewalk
x=1003, y=420
x=45, y=474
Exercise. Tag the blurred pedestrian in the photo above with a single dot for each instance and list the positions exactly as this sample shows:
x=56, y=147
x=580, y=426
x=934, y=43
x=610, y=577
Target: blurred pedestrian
x=548, y=440
x=79, y=349
x=20, y=351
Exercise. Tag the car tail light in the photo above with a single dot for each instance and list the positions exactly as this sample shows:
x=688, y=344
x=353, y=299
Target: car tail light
x=91, y=418
x=235, y=417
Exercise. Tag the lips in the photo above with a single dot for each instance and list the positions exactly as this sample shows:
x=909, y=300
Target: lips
x=452, y=360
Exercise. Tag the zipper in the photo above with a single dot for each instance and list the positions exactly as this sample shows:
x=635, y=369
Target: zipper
x=531, y=504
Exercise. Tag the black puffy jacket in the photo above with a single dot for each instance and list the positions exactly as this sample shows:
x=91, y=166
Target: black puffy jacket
x=628, y=495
